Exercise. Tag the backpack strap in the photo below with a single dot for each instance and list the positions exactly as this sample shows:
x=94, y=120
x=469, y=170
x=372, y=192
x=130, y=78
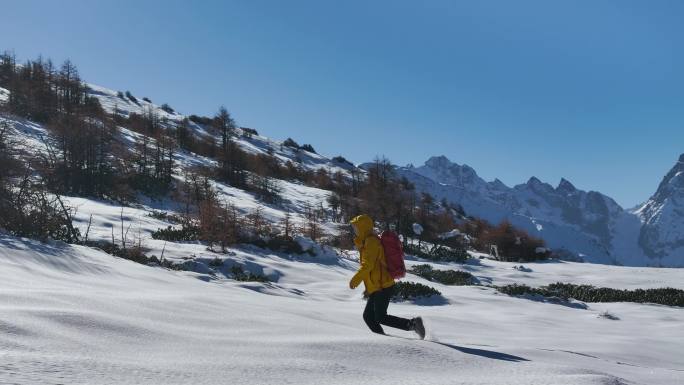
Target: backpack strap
x=381, y=261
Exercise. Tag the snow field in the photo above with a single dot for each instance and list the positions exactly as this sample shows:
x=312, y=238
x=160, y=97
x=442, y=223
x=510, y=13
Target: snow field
x=72, y=314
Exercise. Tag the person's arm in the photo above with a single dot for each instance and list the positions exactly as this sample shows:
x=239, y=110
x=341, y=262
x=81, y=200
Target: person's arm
x=371, y=252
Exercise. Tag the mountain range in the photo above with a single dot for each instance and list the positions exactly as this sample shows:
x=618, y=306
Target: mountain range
x=586, y=225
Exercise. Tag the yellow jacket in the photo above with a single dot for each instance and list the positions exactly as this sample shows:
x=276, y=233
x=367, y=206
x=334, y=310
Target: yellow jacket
x=373, y=271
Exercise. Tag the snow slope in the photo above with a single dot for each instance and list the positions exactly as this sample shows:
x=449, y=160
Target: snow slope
x=296, y=197
x=71, y=314
x=255, y=144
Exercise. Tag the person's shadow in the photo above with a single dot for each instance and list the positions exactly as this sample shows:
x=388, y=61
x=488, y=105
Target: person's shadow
x=484, y=353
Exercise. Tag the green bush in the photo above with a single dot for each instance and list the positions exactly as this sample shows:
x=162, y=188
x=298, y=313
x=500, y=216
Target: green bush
x=308, y=147
x=341, y=159
x=438, y=253
x=520, y=289
x=587, y=293
x=166, y=216
x=240, y=275
x=185, y=233
x=404, y=291
x=135, y=254
x=445, y=277
x=203, y=120
x=216, y=262
x=289, y=142
x=131, y=97
x=249, y=132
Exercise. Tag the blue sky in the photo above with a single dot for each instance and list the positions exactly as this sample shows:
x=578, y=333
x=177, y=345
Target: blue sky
x=592, y=91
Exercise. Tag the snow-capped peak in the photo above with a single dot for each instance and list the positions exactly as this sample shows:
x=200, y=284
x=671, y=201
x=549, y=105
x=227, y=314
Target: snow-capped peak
x=565, y=186
x=438, y=162
x=498, y=184
x=534, y=181
x=662, y=233
x=538, y=186
x=440, y=167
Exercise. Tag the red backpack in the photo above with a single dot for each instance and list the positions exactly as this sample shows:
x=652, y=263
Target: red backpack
x=394, y=254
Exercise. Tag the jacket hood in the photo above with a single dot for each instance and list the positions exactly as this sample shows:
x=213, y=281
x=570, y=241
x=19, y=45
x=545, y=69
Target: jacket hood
x=364, y=225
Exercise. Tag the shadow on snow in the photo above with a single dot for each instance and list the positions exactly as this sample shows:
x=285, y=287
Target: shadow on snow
x=484, y=353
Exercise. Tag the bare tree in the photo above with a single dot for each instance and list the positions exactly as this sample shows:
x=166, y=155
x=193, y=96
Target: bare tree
x=287, y=225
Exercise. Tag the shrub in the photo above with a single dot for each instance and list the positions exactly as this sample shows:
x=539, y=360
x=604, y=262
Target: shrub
x=445, y=277
x=165, y=216
x=414, y=249
x=135, y=253
x=289, y=142
x=240, y=275
x=308, y=147
x=404, y=291
x=161, y=215
x=27, y=209
x=521, y=289
x=120, y=94
x=204, y=120
x=448, y=254
x=185, y=233
x=587, y=293
x=248, y=132
x=341, y=159
x=167, y=108
x=131, y=97
x=216, y=262
x=438, y=253
x=147, y=99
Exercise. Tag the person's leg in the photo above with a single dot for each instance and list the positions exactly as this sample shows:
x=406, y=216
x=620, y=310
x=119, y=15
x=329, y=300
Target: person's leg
x=369, y=314
x=380, y=309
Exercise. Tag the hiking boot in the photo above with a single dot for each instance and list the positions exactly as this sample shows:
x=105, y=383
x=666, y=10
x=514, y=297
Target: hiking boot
x=418, y=327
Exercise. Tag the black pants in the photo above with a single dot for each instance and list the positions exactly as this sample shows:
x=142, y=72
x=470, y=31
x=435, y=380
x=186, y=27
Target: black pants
x=376, y=312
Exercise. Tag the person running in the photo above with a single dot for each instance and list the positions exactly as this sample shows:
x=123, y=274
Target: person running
x=378, y=282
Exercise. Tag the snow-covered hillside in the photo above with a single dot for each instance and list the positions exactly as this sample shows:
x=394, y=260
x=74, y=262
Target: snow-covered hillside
x=297, y=198
x=589, y=224
x=115, y=102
